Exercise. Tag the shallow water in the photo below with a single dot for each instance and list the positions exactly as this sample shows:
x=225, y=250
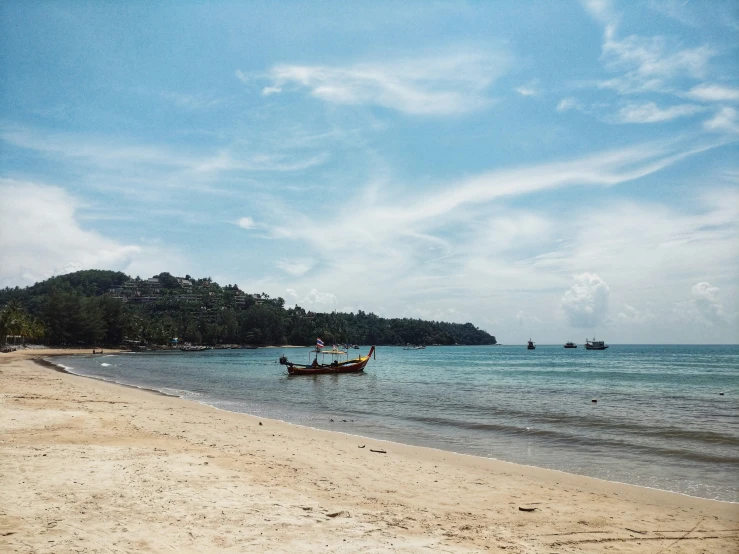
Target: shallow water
x=659, y=420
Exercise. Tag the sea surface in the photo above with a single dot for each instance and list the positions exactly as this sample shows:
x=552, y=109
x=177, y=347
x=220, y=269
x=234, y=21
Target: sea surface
x=659, y=420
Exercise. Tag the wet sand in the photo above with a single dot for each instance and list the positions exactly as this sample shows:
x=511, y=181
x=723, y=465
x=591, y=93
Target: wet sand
x=90, y=466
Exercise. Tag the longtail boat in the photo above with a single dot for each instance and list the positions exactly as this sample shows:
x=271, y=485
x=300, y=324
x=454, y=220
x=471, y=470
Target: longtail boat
x=335, y=366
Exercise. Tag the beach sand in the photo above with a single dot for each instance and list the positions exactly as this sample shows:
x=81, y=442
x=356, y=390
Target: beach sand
x=90, y=466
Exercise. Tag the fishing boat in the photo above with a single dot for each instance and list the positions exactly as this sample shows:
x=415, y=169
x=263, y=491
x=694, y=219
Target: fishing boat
x=531, y=345
x=336, y=365
x=595, y=344
x=192, y=348
x=570, y=345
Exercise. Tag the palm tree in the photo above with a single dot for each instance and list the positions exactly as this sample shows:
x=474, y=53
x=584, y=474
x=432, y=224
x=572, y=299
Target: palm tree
x=15, y=322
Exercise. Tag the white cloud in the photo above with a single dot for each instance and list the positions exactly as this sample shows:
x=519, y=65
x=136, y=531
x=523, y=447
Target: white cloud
x=267, y=91
x=440, y=85
x=318, y=301
x=586, y=302
x=295, y=267
x=724, y=121
x=246, y=223
x=601, y=10
x=528, y=90
x=646, y=57
x=705, y=299
x=40, y=236
x=645, y=64
x=713, y=93
x=649, y=112
x=569, y=103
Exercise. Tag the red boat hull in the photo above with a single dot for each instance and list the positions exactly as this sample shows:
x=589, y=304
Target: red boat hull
x=352, y=366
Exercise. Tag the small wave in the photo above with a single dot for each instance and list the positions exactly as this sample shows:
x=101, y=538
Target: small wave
x=564, y=437
x=68, y=369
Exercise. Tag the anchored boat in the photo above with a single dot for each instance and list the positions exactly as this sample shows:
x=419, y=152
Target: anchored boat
x=335, y=365
x=570, y=345
x=595, y=344
x=531, y=345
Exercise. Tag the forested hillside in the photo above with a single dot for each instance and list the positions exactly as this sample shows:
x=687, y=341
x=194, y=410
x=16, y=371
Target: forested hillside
x=96, y=307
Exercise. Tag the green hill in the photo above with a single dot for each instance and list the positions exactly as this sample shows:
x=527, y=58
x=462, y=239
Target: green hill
x=96, y=307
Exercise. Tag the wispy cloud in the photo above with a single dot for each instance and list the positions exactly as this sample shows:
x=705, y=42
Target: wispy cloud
x=726, y=120
x=187, y=101
x=649, y=112
x=529, y=89
x=295, y=267
x=246, y=223
x=569, y=103
x=464, y=245
x=714, y=93
x=458, y=235
x=650, y=63
x=133, y=165
x=603, y=169
x=439, y=85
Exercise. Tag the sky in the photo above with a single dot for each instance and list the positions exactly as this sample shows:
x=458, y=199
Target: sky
x=553, y=170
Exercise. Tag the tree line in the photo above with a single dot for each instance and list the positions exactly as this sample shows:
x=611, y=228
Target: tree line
x=74, y=310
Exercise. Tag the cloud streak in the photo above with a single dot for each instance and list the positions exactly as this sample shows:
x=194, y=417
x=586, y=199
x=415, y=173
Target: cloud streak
x=649, y=112
x=441, y=85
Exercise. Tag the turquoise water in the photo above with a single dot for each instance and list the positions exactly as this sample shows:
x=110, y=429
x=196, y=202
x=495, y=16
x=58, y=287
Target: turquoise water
x=659, y=420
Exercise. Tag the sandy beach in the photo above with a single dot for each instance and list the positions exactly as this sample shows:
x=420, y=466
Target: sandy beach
x=90, y=466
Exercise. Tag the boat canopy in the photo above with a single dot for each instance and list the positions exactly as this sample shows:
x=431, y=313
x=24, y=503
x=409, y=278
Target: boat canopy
x=333, y=352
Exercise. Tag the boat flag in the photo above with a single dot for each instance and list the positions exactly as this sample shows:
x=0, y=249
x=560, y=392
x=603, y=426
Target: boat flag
x=319, y=343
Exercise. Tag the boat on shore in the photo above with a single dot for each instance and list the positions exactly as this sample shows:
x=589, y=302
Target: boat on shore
x=336, y=365
x=570, y=345
x=531, y=345
x=595, y=344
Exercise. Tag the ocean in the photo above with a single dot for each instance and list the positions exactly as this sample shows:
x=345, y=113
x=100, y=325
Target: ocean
x=660, y=419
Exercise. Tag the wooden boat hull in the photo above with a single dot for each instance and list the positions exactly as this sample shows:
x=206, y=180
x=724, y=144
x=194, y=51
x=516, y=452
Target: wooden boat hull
x=352, y=366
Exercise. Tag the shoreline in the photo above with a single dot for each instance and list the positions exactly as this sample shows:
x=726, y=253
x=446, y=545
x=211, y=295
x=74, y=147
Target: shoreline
x=96, y=463
x=61, y=369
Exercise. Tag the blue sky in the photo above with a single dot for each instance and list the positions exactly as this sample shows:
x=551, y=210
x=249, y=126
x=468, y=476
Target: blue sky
x=544, y=169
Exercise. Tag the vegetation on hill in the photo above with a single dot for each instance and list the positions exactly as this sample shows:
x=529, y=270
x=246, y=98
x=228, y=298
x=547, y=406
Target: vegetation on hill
x=97, y=307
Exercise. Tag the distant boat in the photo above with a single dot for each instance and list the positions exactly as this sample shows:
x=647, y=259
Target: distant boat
x=570, y=345
x=531, y=345
x=595, y=344
x=412, y=347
